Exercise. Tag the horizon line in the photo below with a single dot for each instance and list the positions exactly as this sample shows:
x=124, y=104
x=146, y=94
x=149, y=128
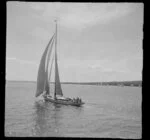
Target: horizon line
x=77, y=82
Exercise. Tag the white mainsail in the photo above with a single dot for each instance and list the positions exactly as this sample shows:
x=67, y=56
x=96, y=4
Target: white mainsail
x=42, y=72
x=46, y=87
x=43, y=78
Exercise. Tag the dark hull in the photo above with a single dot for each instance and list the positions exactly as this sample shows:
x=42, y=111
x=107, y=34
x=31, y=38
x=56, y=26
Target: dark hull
x=63, y=102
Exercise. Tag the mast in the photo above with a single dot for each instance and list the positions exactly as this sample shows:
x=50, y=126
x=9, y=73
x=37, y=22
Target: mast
x=55, y=58
x=58, y=89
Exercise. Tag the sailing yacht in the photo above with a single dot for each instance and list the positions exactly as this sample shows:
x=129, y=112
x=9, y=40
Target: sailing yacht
x=44, y=74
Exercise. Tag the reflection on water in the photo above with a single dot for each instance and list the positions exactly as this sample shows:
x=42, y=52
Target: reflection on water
x=49, y=118
x=39, y=117
x=109, y=111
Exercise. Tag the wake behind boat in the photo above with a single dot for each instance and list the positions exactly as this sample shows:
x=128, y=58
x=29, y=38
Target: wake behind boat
x=44, y=75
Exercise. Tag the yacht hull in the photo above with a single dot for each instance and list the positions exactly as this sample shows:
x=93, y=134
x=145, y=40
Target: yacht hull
x=63, y=102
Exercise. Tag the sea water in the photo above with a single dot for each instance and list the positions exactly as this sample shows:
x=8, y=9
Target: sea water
x=108, y=112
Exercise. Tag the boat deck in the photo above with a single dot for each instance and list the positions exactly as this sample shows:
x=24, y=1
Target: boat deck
x=64, y=102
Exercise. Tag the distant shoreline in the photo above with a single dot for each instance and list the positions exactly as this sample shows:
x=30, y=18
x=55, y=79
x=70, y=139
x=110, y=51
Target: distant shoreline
x=112, y=83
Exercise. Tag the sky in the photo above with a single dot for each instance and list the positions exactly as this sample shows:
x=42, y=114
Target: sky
x=96, y=41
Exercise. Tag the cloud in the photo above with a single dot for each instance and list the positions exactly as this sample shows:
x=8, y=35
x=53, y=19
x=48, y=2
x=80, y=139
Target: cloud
x=40, y=33
x=109, y=66
x=106, y=69
x=21, y=61
x=96, y=66
x=82, y=15
x=37, y=6
x=92, y=66
x=11, y=58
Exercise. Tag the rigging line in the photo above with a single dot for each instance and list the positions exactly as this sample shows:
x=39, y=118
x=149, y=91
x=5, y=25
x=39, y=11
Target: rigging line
x=55, y=58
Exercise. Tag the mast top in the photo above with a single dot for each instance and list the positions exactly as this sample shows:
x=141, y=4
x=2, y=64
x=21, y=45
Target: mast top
x=55, y=20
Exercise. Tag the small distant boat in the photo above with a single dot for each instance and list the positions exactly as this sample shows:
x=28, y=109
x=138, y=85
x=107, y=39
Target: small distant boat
x=44, y=74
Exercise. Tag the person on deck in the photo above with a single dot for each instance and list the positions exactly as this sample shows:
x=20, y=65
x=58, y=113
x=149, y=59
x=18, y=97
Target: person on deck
x=77, y=99
x=73, y=100
x=80, y=100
